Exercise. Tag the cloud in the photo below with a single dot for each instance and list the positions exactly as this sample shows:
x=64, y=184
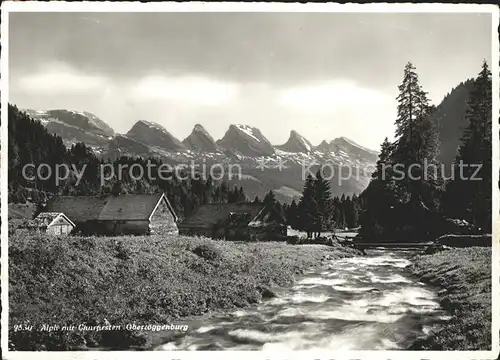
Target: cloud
x=326, y=110
x=320, y=96
x=56, y=79
x=193, y=90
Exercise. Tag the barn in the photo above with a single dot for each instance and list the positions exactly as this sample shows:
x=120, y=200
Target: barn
x=118, y=214
x=231, y=222
x=269, y=224
x=53, y=223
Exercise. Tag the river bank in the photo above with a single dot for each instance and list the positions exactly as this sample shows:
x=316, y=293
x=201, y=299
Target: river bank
x=355, y=303
x=464, y=279
x=138, y=280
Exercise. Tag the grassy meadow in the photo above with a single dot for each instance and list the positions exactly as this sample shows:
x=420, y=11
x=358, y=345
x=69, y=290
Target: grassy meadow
x=464, y=275
x=141, y=280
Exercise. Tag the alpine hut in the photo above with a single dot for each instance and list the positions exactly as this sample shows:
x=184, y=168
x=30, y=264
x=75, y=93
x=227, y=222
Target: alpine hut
x=54, y=223
x=118, y=214
x=233, y=221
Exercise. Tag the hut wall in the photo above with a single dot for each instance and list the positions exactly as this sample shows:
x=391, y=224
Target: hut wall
x=162, y=221
x=240, y=233
x=269, y=233
x=114, y=228
x=59, y=229
x=195, y=231
x=126, y=227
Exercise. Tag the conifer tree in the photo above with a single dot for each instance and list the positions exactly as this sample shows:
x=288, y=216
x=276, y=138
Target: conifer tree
x=269, y=200
x=355, y=212
x=31, y=143
x=307, y=210
x=380, y=196
x=416, y=138
x=322, y=195
x=241, y=195
x=338, y=212
x=291, y=214
x=224, y=191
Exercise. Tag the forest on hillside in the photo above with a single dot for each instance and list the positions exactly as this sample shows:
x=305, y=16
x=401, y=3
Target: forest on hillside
x=414, y=206
x=392, y=206
x=30, y=143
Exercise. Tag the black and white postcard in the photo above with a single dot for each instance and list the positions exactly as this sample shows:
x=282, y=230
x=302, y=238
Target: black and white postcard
x=254, y=180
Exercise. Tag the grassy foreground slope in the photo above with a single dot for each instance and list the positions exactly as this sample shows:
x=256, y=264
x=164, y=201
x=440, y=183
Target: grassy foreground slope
x=464, y=274
x=140, y=280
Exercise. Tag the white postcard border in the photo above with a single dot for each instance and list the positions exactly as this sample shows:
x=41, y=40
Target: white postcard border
x=57, y=6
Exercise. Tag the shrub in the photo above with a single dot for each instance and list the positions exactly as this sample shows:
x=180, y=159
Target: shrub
x=322, y=240
x=207, y=252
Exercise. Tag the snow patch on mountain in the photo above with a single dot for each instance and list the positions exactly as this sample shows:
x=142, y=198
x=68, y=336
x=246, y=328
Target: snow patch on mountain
x=74, y=126
x=248, y=177
x=296, y=143
x=357, y=145
x=247, y=130
x=199, y=128
x=289, y=192
x=306, y=145
x=153, y=125
x=155, y=135
x=245, y=141
x=242, y=144
x=293, y=157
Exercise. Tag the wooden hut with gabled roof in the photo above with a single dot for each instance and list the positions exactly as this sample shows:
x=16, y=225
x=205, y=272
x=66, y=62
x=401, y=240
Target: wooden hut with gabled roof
x=269, y=224
x=230, y=221
x=212, y=220
x=53, y=223
x=118, y=214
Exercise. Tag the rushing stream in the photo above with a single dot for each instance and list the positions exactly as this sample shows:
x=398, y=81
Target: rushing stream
x=359, y=303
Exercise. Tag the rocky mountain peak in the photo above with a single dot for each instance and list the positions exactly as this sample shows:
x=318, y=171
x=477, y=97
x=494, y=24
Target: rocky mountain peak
x=153, y=134
x=200, y=140
x=347, y=146
x=74, y=126
x=296, y=143
x=246, y=140
x=323, y=146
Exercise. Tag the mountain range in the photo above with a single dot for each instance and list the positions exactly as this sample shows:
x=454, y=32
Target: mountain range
x=244, y=145
x=74, y=126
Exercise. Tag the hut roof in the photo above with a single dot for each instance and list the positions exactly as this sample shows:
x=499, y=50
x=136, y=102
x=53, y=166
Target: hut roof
x=78, y=208
x=45, y=219
x=21, y=211
x=267, y=217
x=209, y=214
x=108, y=208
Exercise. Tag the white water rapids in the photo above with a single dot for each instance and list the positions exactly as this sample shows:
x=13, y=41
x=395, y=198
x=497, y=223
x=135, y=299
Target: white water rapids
x=359, y=303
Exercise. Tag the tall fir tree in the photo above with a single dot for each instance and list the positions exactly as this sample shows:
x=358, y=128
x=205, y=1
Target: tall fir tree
x=291, y=214
x=417, y=141
x=355, y=211
x=269, y=199
x=315, y=211
x=380, y=195
x=241, y=195
x=307, y=210
x=322, y=195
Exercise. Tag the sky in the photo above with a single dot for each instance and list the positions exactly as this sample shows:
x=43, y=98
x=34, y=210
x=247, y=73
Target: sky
x=324, y=75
